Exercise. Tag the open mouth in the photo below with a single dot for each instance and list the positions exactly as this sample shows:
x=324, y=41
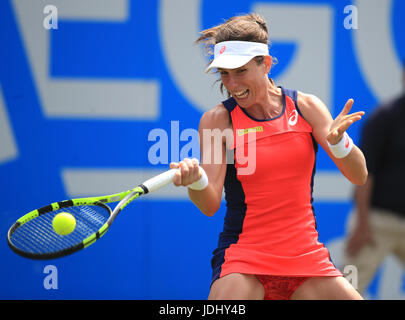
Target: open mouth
x=241, y=94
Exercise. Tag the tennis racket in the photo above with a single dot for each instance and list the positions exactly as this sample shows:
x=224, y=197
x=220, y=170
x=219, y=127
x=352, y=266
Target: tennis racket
x=32, y=236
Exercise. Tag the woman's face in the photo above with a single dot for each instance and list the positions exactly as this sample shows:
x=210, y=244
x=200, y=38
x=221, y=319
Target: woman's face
x=247, y=84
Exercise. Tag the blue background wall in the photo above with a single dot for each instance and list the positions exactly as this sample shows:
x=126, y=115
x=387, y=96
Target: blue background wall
x=78, y=103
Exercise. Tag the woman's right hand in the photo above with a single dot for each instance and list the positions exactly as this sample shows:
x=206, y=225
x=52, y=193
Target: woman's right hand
x=189, y=171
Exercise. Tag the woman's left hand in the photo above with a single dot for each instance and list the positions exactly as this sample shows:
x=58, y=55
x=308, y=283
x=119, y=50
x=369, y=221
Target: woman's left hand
x=342, y=122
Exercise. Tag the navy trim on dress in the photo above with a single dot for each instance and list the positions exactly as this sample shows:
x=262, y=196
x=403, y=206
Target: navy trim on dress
x=230, y=104
x=233, y=222
x=293, y=94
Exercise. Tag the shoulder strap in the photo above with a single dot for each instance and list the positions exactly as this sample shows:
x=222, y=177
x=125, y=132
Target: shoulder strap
x=293, y=94
x=229, y=104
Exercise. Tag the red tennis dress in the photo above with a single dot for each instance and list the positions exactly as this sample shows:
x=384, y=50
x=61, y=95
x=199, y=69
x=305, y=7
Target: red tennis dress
x=269, y=226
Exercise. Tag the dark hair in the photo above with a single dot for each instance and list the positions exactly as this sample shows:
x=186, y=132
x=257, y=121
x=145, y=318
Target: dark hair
x=248, y=27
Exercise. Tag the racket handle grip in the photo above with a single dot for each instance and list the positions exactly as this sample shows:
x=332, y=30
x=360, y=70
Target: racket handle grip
x=160, y=180
x=167, y=177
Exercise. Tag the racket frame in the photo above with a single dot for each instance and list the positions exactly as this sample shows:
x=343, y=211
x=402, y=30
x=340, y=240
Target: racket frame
x=125, y=198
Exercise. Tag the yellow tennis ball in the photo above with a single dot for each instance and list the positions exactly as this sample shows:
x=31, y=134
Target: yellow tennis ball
x=64, y=223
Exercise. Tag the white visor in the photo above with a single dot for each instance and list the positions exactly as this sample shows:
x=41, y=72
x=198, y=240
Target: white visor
x=234, y=54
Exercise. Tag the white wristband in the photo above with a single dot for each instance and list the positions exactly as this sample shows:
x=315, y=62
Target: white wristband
x=342, y=148
x=200, y=184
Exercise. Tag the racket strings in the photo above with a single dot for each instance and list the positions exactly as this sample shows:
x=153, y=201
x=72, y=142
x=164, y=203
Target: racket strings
x=37, y=236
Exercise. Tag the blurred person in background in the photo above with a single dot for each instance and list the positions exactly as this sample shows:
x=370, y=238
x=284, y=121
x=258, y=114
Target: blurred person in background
x=377, y=223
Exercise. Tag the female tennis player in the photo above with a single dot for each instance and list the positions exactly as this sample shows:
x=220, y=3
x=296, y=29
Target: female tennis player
x=269, y=247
